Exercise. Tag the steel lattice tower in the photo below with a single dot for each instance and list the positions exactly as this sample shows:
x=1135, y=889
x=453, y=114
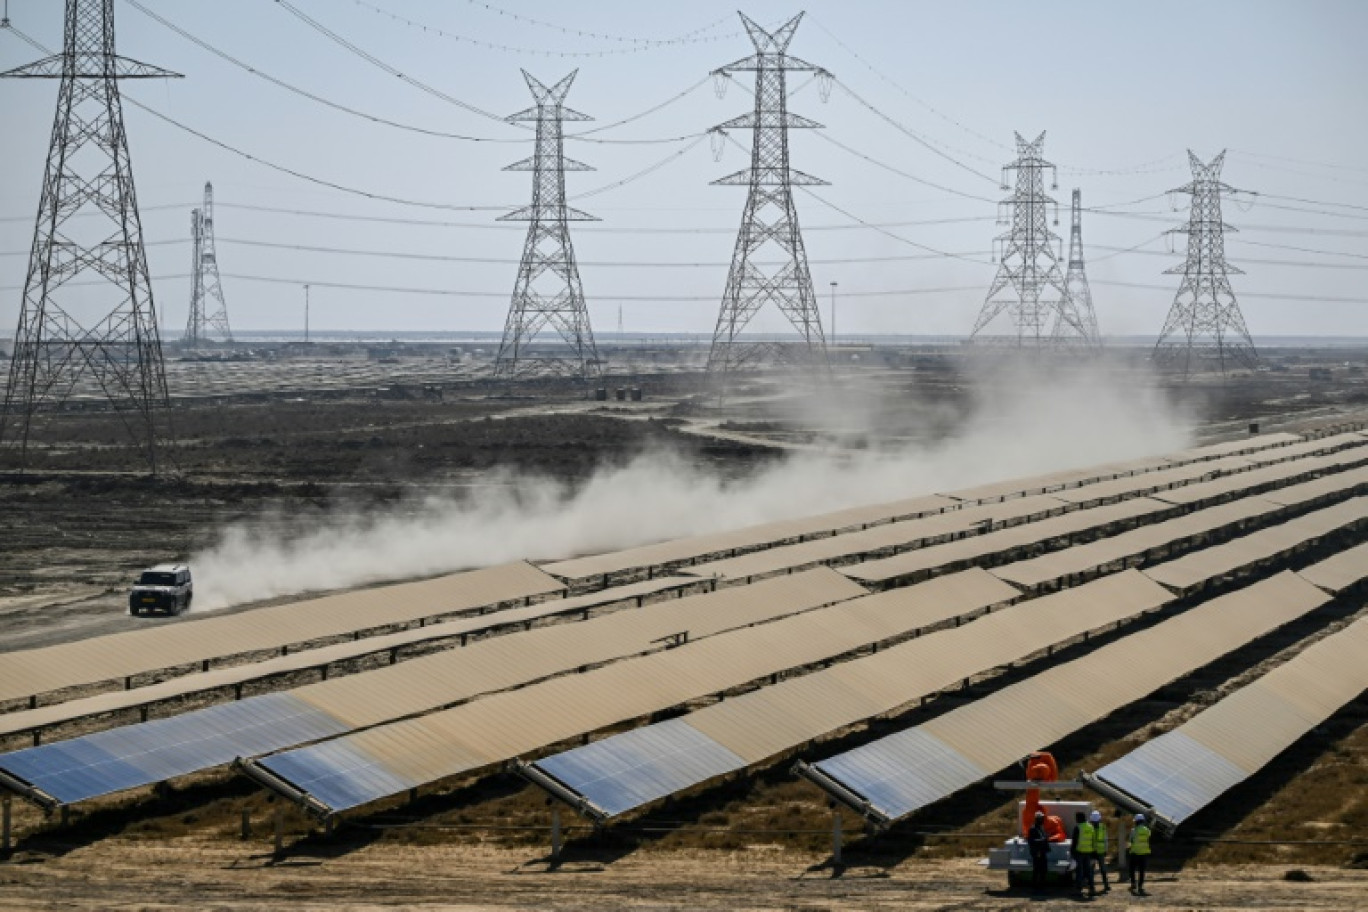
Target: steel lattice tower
x=205, y=287
x=769, y=223
x=1029, y=266
x=548, y=289
x=88, y=173
x=1205, y=319
x=1076, y=279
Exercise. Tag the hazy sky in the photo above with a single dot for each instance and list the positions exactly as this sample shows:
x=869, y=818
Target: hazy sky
x=1123, y=89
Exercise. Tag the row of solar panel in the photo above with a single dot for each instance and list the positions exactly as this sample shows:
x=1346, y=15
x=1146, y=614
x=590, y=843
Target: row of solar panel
x=150, y=752
x=898, y=774
x=27, y=674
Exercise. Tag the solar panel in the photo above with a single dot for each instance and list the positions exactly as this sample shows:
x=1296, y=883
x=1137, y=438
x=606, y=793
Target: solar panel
x=1179, y=773
x=125, y=758
x=922, y=561
x=1127, y=546
x=222, y=678
x=627, y=770
x=1340, y=571
x=1199, y=567
x=105, y=658
x=367, y=766
x=219, y=734
x=899, y=535
x=898, y=774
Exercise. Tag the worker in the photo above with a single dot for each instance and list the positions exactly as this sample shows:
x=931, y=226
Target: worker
x=1038, y=841
x=1100, y=848
x=1083, y=838
x=1139, y=855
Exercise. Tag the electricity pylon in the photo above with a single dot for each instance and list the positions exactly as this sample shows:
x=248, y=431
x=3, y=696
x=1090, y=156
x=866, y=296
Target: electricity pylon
x=1205, y=322
x=108, y=328
x=1028, y=264
x=769, y=225
x=548, y=290
x=205, y=287
x=1076, y=282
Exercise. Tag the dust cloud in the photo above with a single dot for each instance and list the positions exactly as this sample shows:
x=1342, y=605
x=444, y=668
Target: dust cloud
x=1019, y=423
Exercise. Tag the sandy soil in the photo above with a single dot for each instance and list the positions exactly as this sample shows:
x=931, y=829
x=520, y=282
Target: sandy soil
x=116, y=875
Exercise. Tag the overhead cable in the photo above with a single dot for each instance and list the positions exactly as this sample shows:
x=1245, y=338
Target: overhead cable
x=913, y=135
x=304, y=93
x=602, y=36
x=380, y=64
x=634, y=46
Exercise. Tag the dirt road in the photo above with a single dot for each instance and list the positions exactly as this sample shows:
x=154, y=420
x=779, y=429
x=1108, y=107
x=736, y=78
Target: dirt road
x=117, y=874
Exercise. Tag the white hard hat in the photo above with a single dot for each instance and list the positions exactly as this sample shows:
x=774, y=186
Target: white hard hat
x=1095, y=816
x=1139, y=818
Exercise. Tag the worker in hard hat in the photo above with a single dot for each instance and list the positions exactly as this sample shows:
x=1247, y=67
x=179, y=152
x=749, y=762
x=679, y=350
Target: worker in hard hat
x=1083, y=838
x=1100, y=848
x=1139, y=855
x=1038, y=841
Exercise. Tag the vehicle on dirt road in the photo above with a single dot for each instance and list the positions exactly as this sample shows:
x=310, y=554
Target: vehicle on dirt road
x=165, y=588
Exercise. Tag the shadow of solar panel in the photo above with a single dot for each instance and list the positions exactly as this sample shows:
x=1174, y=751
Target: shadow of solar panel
x=124, y=758
x=637, y=767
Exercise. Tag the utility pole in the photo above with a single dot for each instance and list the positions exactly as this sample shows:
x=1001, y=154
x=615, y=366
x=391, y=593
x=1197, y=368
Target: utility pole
x=205, y=286
x=1028, y=268
x=1205, y=323
x=548, y=291
x=112, y=340
x=1076, y=279
x=769, y=224
x=306, y=314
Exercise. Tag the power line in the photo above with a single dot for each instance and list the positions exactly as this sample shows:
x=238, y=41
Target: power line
x=637, y=45
x=1341, y=253
x=304, y=93
x=1328, y=299
x=913, y=135
x=925, y=104
x=901, y=173
x=1299, y=161
x=380, y=64
x=584, y=33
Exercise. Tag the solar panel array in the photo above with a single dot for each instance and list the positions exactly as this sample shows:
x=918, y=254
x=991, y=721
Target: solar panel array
x=627, y=770
x=323, y=656
x=900, y=535
x=896, y=775
x=1135, y=544
x=1179, y=773
x=1199, y=567
x=37, y=671
x=142, y=754
x=390, y=759
x=935, y=558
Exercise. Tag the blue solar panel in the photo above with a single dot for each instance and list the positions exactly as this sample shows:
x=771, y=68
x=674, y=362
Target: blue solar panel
x=1174, y=774
x=338, y=774
x=124, y=758
x=902, y=772
x=637, y=767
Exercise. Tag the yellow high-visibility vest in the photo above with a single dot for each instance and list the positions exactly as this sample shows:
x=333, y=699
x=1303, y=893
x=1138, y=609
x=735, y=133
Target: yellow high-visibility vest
x=1140, y=840
x=1100, y=839
x=1086, y=832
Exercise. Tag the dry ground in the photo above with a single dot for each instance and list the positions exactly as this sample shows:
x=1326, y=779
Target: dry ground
x=75, y=529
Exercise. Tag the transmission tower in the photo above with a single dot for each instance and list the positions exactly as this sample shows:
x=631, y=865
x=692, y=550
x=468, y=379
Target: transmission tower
x=548, y=289
x=1205, y=322
x=1076, y=281
x=1028, y=269
x=205, y=287
x=106, y=331
x=769, y=224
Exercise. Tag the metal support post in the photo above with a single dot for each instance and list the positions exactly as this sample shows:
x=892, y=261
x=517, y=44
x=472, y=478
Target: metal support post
x=5, y=803
x=835, y=833
x=246, y=830
x=279, y=828
x=555, y=832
